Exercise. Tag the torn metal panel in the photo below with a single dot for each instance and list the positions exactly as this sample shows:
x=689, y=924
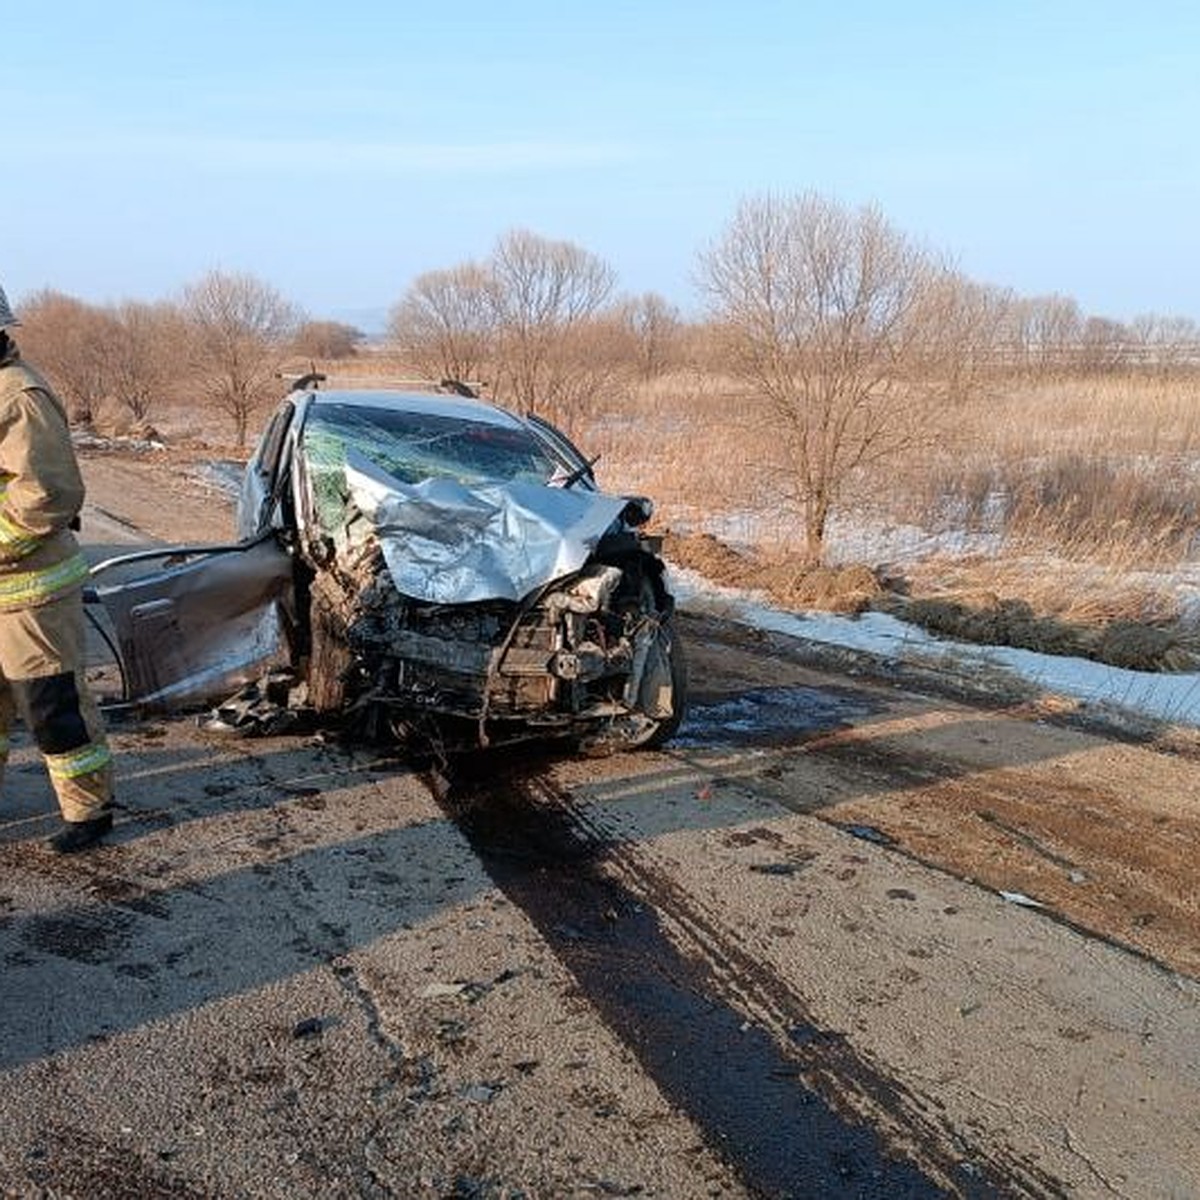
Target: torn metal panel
x=445, y=542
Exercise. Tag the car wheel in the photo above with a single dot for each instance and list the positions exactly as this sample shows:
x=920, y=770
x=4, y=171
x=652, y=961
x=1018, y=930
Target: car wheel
x=662, y=702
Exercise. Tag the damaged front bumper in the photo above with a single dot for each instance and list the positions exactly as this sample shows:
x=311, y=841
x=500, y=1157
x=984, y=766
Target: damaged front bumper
x=590, y=654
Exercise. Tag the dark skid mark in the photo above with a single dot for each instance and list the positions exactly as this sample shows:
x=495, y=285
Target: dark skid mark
x=125, y=894
x=888, y=766
x=832, y=1069
x=772, y=716
x=748, y=1093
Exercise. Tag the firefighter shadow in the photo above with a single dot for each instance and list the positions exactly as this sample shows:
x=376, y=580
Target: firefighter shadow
x=158, y=786
x=159, y=924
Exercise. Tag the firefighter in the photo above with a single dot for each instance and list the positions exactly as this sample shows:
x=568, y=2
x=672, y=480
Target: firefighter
x=41, y=600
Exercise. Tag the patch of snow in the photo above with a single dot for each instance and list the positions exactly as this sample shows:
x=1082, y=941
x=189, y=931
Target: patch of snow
x=853, y=538
x=85, y=440
x=866, y=540
x=221, y=475
x=1174, y=698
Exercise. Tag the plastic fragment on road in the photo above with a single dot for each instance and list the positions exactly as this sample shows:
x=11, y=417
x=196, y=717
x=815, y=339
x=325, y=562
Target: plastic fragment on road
x=1020, y=898
x=436, y=990
x=777, y=868
x=868, y=833
x=482, y=1093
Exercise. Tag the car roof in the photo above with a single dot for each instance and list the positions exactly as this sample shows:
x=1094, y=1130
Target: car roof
x=462, y=408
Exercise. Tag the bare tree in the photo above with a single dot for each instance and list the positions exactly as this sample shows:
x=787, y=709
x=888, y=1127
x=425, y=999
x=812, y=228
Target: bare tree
x=1104, y=346
x=326, y=340
x=72, y=342
x=147, y=343
x=544, y=293
x=982, y=315
x=532, y=319
x=1055, y=328
x=849, y=333
x=446, y=322
x=1168, y=346
x=241, y=327
x=653, y=325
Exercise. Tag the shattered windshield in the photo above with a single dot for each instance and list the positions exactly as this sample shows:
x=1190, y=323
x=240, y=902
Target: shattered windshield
x=413, y=447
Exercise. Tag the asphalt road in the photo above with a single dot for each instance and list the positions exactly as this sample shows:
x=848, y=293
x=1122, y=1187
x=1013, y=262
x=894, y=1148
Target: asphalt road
x=775, y=959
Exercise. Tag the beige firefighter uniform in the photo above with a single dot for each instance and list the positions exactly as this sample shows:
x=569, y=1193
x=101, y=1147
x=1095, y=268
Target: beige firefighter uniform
x=41, y=602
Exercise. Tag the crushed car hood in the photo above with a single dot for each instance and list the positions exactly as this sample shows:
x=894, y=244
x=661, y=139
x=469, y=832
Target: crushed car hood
x=448, y=543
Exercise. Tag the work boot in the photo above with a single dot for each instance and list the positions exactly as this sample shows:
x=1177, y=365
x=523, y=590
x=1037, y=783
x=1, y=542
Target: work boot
x=79, y=835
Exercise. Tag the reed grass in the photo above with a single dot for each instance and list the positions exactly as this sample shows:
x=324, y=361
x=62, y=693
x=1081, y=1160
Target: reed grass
x=1089, y=489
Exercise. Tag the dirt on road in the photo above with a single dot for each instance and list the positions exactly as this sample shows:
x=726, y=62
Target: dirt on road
x=843, y=936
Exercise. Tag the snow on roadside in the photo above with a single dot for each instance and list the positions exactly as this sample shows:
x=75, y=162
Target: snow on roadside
x=221, y=475
x=1174, y=698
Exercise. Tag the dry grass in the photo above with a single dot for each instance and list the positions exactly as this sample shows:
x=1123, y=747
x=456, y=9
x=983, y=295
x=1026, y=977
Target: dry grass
x=689, y=441
x=1089, y=492
x=1100, y=472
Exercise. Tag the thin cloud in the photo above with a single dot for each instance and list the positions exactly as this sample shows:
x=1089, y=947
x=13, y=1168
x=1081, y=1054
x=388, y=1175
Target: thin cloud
x=380, y=157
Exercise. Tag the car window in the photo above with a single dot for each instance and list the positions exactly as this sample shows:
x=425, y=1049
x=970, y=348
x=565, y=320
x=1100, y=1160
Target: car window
x=573, y=460
x=413, y=447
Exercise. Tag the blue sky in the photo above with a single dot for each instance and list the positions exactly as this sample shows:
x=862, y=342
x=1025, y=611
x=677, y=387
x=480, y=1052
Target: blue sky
x=337, y=150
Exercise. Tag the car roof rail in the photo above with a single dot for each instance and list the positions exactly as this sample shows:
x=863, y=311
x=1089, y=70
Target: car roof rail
x=314, y=380
x=302, y=383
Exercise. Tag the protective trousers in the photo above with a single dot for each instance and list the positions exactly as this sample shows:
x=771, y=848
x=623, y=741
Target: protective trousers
x=41, y=677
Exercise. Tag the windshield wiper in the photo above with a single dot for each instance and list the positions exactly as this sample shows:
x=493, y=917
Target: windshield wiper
x=584, y=468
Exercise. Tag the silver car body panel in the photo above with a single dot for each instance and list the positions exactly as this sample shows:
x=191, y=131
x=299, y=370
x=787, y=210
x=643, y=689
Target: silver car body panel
x=448, y=543
x=193, y=630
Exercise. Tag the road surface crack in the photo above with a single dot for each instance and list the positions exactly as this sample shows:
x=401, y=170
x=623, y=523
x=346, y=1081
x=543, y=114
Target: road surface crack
x=1106, y=1183
x=350, y=981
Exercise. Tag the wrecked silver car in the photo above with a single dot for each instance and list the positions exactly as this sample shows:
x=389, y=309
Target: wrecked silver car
x=422, y=565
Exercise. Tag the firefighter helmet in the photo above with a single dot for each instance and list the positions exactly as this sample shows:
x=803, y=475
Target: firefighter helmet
x=7, y=316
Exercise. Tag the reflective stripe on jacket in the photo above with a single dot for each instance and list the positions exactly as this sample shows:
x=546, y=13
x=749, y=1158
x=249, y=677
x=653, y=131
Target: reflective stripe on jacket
x=41, y=491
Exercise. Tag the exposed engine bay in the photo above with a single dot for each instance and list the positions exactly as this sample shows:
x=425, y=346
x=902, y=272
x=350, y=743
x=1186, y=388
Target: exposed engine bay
x=583, y=655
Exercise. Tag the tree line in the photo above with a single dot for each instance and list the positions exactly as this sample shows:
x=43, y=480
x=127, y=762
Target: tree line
x=222, y=342
x=850, y=341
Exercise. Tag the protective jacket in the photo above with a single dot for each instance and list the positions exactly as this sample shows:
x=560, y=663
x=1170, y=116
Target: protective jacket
x=41, y=491
x=42, y=643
